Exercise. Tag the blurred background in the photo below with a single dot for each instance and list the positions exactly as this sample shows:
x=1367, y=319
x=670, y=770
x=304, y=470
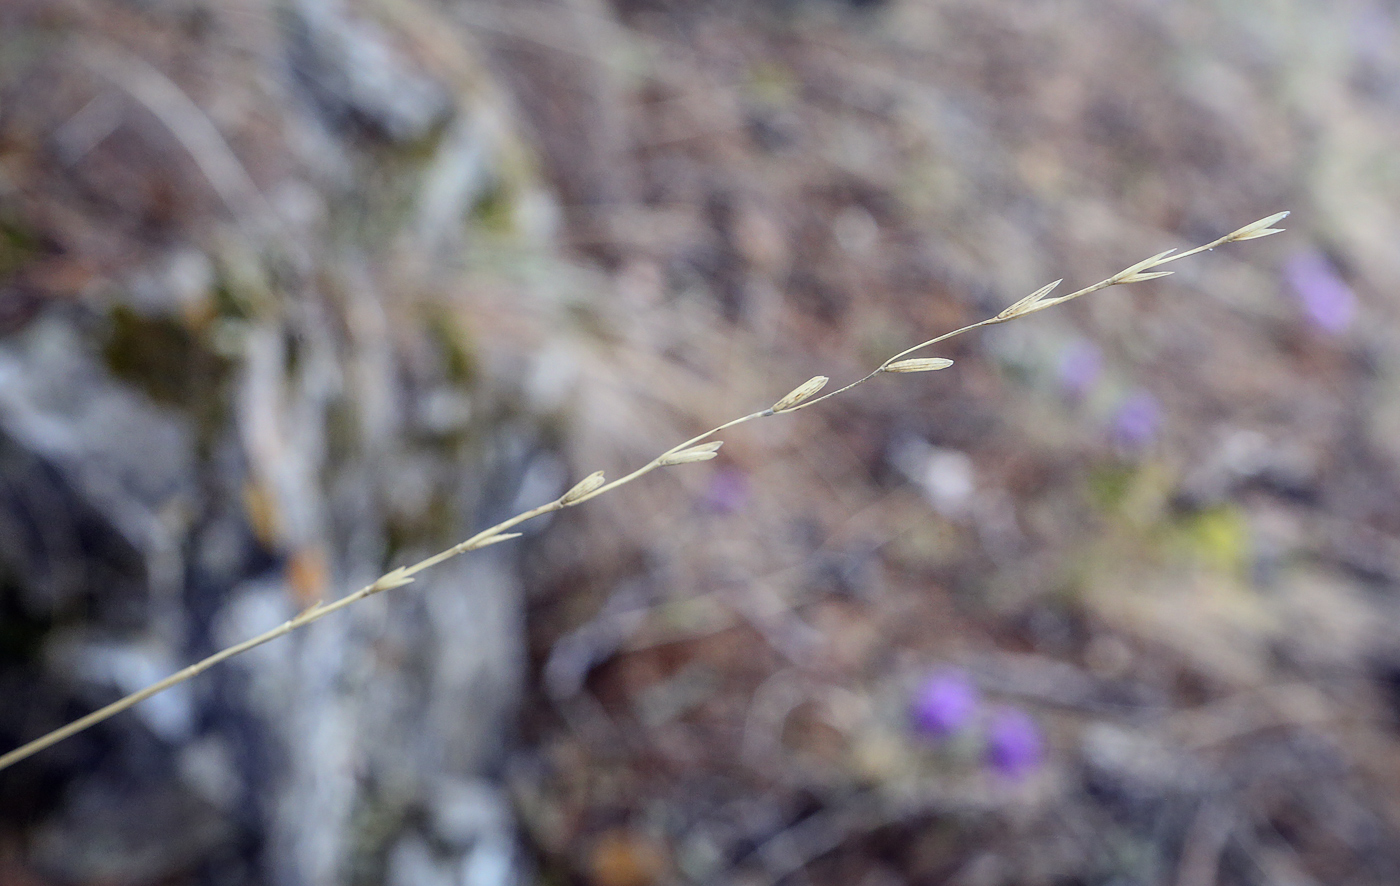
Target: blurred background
x=296, y=291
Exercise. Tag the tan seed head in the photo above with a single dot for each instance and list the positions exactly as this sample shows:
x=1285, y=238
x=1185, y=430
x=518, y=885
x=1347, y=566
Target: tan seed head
x=389, y=581
x=582, y=488
x=495, y=539
x=1262, y=228
x=1150, y=275
x=702, y=452
x=1025, y=305
x=1133, y=274
x=919, y=364
x=801, y=393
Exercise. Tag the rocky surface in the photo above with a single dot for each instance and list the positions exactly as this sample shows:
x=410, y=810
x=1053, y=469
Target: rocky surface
x=239, y=378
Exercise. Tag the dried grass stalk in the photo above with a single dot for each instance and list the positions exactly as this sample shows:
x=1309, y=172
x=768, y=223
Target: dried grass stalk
x=693, y=450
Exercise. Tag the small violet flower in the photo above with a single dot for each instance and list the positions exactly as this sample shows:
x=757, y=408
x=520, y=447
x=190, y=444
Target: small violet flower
x=1015, y=746
x=1137, y=421
x=1326, y=299
x=944, y=704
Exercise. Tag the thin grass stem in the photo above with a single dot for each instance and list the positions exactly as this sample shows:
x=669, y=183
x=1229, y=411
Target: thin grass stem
x=690, y=450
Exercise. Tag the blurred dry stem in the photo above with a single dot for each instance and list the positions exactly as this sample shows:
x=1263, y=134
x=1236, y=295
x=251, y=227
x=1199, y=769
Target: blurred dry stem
x=693, y=450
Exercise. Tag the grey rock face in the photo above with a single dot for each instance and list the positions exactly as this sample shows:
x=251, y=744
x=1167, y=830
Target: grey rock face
x=242, y=413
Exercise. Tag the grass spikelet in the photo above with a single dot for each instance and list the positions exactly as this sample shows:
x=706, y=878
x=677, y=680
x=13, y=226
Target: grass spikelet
x=1149, y=275
x=800, y=393
x=495, y=539
x=1262, y=228
x=1134, y=273
x=919, y=364
x=703, y=452
x=580, y=491
x=396, y=579
x=1027, y=304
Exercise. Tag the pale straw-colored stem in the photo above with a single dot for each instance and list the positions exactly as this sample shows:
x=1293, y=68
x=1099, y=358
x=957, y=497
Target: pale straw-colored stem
x=680, y=453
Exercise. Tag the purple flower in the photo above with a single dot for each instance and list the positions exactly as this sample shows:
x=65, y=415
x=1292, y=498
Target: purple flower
x=1015, y=746
x=1079, y=368
x=944, y=703
x=1327, y=300
x=1136, y=422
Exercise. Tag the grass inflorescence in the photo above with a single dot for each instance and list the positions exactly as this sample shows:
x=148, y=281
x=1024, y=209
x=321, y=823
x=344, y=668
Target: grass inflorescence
x=699, y=448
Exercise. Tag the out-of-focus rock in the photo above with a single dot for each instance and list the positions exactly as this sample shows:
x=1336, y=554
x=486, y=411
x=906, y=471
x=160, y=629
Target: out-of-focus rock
x=352, y=68
x=109, y=832
x=250, y=374
x=127, y=464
